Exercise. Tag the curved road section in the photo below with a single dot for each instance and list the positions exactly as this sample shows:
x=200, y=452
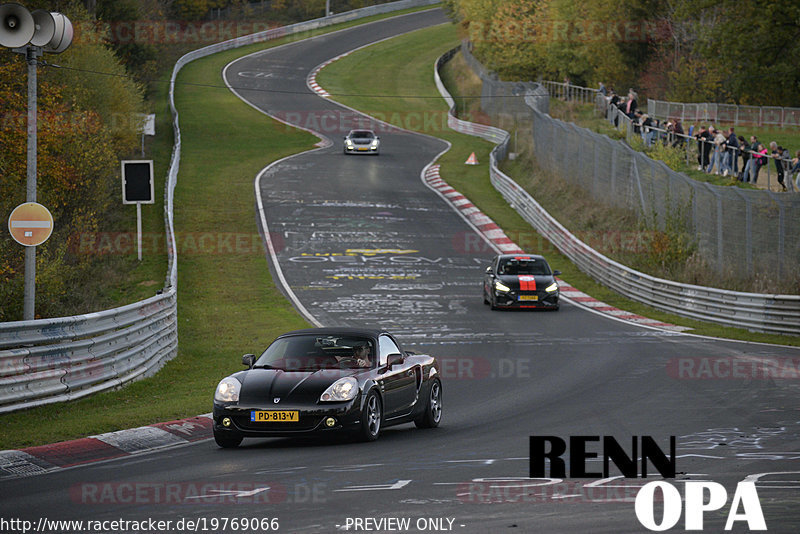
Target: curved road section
x=362, y=241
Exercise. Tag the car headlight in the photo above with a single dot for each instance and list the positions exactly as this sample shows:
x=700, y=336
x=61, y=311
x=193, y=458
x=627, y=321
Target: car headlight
x=501, y=287
x=374, y=143
x=344, y=389
x=228, y=390
x=348, y=142
x=552, y=287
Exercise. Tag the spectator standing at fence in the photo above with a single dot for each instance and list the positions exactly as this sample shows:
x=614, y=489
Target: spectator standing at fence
x=703, y=147
x=637, y=123
x=647, y=129
x=730, y=162
x=601, y=88
x=759, y=159
x=795, y=171
x=631, y=104
x=677, y=131
x=743, y=147
x=719, y=142
x=751, y=168
x=780, y=154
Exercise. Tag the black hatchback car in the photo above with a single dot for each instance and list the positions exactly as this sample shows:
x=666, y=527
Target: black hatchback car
x=520, y=281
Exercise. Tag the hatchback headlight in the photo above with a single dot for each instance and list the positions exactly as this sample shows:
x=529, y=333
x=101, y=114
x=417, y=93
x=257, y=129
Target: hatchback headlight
x=228, y=390
x=501, y=287
x=552, y=287
x=344, y=389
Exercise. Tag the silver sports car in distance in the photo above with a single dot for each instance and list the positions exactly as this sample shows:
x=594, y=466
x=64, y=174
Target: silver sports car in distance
x=362, y=142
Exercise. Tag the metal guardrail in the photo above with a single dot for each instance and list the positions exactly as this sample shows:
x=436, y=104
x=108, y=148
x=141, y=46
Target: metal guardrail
x=765, y=313
x=60, y=359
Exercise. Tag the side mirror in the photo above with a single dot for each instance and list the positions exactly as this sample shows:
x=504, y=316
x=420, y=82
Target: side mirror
x=556, y=273
x=489, y=270
x=394, y=359
x=249, y=360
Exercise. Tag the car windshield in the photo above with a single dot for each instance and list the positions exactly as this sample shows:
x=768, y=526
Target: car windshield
x=312, y=352
x=515, y=266
x=361, y=134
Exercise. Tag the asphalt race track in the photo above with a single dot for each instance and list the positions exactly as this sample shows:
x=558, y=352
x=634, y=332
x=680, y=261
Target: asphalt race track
x=362, y=240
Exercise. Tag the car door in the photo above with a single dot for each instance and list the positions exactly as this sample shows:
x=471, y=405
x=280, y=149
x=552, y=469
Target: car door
x=398, y=384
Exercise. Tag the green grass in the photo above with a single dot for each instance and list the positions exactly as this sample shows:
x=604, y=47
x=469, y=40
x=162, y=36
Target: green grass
x=404, y=66
x=227, y=302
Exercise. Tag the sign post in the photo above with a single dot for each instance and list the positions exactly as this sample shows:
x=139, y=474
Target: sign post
x=137, y=188
x=30, y=225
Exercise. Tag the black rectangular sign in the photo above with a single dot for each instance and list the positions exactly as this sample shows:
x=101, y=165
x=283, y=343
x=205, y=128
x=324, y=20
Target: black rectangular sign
x=137, y=182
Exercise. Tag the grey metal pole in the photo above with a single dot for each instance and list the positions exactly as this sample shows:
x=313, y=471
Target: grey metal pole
x=327, y=8
x=29, y=291
x=139, y=230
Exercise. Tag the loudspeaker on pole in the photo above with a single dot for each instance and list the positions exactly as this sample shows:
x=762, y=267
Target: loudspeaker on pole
x=16, y=26
x=19, y=27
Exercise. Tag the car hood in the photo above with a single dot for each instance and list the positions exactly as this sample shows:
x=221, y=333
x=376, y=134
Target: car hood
x=263, y=386
x=528, y=282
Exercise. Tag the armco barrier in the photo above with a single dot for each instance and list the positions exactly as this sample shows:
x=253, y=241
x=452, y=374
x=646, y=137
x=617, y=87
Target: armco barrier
x=764, y=313
x=54, y=360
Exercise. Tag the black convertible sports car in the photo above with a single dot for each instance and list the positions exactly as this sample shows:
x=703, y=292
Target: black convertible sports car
x=327, y=380
x=520, y=281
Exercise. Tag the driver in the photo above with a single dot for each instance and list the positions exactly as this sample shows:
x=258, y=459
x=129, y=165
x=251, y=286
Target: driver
x=360, y=355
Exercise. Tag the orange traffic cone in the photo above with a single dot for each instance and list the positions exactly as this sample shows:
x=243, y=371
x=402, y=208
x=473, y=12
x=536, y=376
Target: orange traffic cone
x=471, y=160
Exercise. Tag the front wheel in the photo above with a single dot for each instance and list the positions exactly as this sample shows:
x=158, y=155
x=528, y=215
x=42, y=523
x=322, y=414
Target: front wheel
x=371, y=417
x=432, y=415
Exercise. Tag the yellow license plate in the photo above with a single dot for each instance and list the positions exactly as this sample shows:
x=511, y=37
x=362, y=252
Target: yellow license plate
x=529, y=297
x=273, y=416
x=363, y=148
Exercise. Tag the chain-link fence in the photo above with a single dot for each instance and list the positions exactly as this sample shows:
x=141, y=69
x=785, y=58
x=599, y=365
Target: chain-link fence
x=738, y=231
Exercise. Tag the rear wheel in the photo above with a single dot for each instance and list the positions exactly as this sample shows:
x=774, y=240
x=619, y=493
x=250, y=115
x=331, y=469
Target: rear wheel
x=227, y=442
x=371, y=417
x=432, y=415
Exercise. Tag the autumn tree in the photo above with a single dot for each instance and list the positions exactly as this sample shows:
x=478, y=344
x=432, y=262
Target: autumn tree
x=85, y=125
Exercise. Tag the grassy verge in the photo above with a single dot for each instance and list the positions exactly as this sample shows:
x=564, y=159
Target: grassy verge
x=403, y=66
x=227, y=301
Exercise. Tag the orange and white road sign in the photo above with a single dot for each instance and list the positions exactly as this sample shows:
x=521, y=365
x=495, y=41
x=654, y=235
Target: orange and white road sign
x=472, y=159
x=30, y=224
